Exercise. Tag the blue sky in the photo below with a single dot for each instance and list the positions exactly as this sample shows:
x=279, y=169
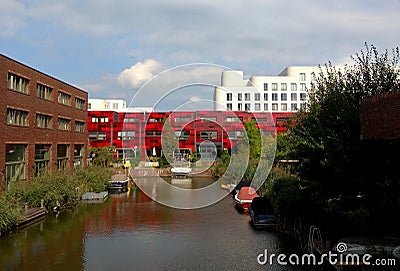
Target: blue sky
x=111, y=48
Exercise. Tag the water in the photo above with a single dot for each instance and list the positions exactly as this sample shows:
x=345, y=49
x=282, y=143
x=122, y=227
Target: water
x=131, y=232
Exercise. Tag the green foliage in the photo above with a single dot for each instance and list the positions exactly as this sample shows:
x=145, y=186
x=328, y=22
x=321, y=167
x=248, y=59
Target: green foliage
x=9, y=213
x=103, y=156
x=58, y=189
x=326, y=138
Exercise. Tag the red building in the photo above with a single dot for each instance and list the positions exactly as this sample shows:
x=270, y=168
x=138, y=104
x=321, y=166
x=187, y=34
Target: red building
x=207, y=132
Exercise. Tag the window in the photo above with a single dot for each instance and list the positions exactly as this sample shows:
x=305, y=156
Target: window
x=229, y=106
x=78, y=155
x=274, y=86
x=229, y=96
x=182, y=119
x=64, y=98
x=44, y=92
x=283, y=107
x=293, y=97
x=89, y=106
x=43, y=121
x=17, y=117
x=129, y=119
x=265, y=107
x=265, y=96
x=247, y=96
x=64, y=124
x=257, y=96
x=274, y=96
x=265, y=86
x=239, y=96
x=62, y=156
x=42, y=158
x=97, y=136
x=18, y=83
x=79, y=126
x=79, y=103
x=257, y=107
x=100, y=119
x=302, y=87
x=303, y=96
x=208, y=119
x=208, y=135
x=182, y=135
x=15, y=163
x=293, y=107
x=293, y=87
x=302, y=77
x=153, y=133
x=283, y=86
x=126, y=135
x=235, y=134
x=240, y=107
x=283, y=97
x=232, y=119
x=274, y=107
x=302, y=106
x=115, y=105
x=247, y=107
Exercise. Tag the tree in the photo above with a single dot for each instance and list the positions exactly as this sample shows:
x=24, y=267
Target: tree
x=326, y=138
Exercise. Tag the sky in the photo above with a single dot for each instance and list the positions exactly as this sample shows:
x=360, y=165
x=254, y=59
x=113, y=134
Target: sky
x=119, y=49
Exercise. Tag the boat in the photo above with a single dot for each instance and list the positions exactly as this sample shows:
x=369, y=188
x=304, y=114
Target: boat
x=244, y=197
x=180, y=171
x=118, y=182
x=261, y=213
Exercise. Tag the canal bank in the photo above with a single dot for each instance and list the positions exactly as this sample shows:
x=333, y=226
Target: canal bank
x=131, y=232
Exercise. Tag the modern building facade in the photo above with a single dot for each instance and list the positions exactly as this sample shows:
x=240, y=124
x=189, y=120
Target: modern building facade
x=286, y=92
x=43, y=123
x=206, y=132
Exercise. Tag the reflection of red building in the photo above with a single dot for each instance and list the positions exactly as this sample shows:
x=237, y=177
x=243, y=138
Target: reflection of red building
x=195, y=130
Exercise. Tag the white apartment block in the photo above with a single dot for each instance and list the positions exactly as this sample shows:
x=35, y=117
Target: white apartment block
x=117, y=105
x=106, y=104
x=286, y=92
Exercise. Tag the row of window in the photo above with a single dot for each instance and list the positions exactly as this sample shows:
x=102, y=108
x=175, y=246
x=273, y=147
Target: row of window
x=274, y=107
x=21, y=84
x=284, y=86
x=181, y=135
x=274, y=96
x=20, y=118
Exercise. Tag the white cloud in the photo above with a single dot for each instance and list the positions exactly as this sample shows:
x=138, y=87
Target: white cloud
x=138, y=74
x=12, y=16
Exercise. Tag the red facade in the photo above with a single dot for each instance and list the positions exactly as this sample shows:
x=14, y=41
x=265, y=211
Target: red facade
x=130, y=131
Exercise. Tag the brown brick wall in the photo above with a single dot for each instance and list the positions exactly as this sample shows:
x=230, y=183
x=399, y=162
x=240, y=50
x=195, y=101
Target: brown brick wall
x=380, y=116
x=31, y=135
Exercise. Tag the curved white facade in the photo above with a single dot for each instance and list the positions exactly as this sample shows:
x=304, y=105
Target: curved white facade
x=286, y=92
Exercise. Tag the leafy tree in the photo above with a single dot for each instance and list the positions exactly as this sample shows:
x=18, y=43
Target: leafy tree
x=326, y=138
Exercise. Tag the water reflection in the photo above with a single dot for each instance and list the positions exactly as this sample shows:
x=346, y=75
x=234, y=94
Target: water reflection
x=131, y=232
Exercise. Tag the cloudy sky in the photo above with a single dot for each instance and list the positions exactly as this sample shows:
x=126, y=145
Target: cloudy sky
x=112, y=48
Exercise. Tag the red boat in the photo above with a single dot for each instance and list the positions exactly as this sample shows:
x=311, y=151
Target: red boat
x=244, y=197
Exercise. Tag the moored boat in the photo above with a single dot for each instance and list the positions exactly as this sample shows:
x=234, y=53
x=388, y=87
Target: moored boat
x=244, y=197
x=118, y=182
x=261, y=213
x=180, y=171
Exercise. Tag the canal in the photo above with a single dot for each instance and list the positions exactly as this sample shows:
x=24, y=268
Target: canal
x=129, y=231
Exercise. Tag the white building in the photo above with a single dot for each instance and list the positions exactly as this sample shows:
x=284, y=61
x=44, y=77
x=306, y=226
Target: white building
x=117, y=105
x=106, y=104
x=286, y=92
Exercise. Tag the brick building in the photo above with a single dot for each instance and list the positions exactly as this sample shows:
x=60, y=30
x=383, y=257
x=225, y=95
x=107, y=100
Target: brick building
x=43, y=123
x=380, y=116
